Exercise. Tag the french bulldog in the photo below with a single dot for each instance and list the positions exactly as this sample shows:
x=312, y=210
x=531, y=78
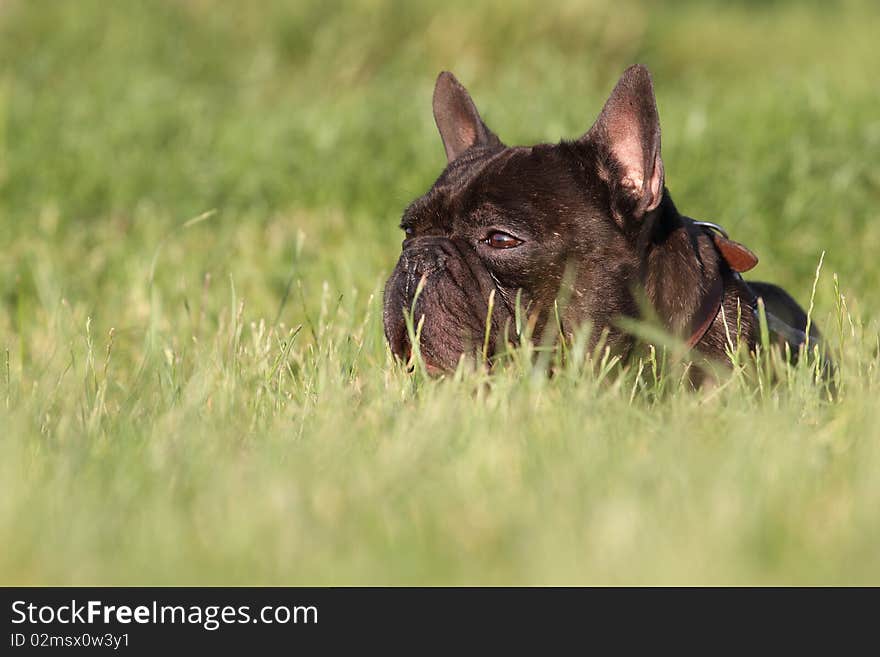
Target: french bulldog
x=507, y=230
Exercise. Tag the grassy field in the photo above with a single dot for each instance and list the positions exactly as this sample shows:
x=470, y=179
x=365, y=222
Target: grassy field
x=198, y=208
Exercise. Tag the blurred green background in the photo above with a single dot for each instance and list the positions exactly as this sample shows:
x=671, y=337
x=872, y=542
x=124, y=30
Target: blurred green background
x=175, y=451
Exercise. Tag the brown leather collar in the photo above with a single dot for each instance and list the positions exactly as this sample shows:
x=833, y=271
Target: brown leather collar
x=738, y=258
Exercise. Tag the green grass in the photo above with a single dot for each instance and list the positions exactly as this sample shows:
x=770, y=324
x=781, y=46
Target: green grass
x=211, y=401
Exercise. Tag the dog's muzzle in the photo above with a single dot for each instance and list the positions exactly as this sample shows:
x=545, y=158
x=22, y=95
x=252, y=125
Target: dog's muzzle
x=443, y=281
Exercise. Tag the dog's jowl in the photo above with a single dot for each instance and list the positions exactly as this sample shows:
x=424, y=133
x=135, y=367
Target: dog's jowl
x=587, y=221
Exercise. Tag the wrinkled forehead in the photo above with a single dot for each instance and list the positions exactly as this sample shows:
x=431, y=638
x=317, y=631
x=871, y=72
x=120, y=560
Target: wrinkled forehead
x=511, y=181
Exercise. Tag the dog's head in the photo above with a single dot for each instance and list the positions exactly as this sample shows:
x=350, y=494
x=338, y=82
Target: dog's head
x=528, y=225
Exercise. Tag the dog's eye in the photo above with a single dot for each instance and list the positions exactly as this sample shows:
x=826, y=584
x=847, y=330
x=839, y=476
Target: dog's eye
x=409, y=231
x=499, y=240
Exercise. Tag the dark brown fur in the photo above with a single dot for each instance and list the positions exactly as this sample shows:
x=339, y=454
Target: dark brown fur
x=597, y=228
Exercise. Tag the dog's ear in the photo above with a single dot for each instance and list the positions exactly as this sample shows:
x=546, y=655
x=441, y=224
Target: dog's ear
x=457, y=118
x=628, y=130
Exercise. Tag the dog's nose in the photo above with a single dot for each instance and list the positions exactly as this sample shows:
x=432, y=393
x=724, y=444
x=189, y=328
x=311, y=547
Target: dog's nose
x=422, y=256
x=453, y=304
